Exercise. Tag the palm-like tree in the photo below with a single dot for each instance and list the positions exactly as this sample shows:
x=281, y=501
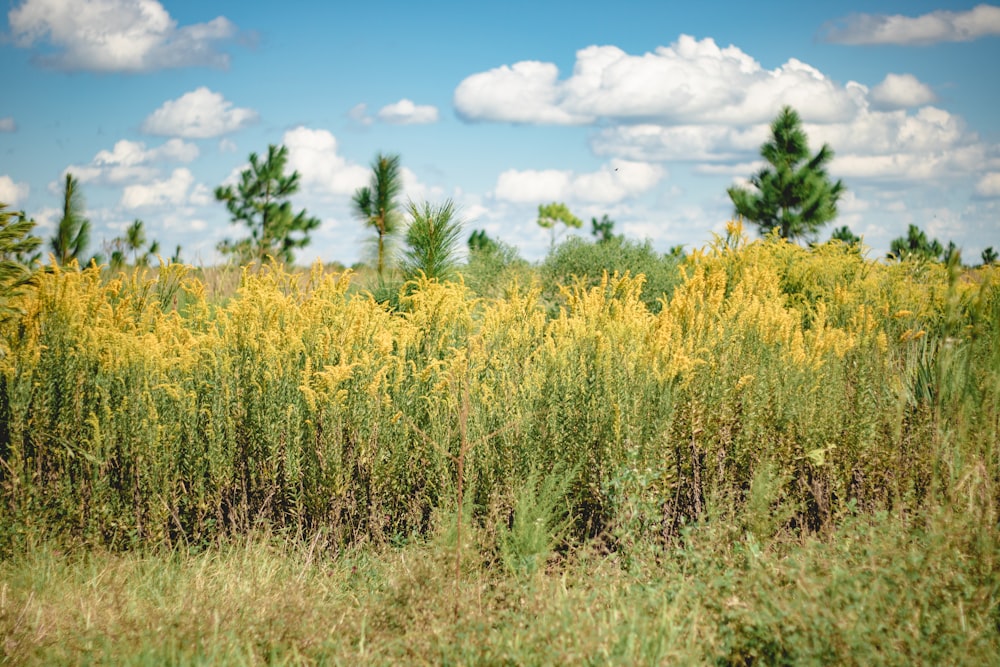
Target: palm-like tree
x=73, y=231
x=376, y=204
x=135, y=238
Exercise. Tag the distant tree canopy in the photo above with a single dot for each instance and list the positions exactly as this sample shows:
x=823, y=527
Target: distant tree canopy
x=916, y=245
x=794, y=194
x=844, y=234
x=556, y=213
x=603, y=230
x=479, y=241
x=132, y=242
x=261, y=202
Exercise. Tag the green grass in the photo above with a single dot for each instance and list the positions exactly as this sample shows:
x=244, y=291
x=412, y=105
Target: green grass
x=880, y=590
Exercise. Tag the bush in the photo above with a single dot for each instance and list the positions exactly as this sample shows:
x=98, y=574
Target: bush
x=579, y=258
x=492, y=267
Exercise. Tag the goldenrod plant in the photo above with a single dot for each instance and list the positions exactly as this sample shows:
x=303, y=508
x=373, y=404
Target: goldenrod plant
x=793, y=459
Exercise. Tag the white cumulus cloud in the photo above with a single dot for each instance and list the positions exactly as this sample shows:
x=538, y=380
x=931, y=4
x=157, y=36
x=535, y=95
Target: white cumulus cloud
x=313, y=153
x=690, y=82
x=171, y=191
x=199, y=114
x=405, y=112
x=901, y=91
x=130, y=161
x=613, y=182
x=116, y=35
x=12, y=193
x=938, y=26
x=7, y=124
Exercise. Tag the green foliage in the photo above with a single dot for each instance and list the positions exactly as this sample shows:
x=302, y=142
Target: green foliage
x=17, y=248
x=539, y=521
x=261, y=203
x=554, y=214
x=72, y=234
x=494, y=267
x=378, y=207
x=578, y=258
x=989, y=256
x=133, y=242
x=845, y=235
x=479, y=241
x=793, y=195
x=915, y=245
x=603, y=230
x=432, y=241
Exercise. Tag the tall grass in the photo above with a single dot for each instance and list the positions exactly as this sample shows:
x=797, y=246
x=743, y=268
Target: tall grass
x=132, y=417
x=794, y=459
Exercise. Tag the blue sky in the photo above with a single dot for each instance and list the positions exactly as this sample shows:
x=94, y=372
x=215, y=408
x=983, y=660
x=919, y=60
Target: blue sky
x=643, y=111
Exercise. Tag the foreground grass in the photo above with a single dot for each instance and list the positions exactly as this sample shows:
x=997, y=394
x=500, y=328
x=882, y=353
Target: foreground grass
x=881, y=590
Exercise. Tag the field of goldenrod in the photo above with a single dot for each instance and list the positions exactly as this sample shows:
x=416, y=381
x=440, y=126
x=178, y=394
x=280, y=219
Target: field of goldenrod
x=794, y=385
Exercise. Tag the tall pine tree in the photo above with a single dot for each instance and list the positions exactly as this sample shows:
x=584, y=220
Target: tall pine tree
x=377, y=206
x=793, y=194
x=72, y=234
x=261, y=202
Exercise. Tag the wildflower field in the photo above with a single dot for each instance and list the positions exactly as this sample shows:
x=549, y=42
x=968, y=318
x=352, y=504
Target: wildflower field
x=793, y=459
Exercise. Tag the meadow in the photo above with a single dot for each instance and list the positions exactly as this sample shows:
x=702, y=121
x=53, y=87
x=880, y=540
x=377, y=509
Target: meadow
x=784, y=455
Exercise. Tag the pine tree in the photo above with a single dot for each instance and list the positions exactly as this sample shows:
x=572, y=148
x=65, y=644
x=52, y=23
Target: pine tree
x=794, y=194
x=73, y=230
x=432, y=241
x=845, y=235
x=603, y=230
x=915, y=245
x=261, y=202
x=377, y=206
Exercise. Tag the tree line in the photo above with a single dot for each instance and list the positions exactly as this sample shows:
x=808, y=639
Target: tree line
x=792, y=196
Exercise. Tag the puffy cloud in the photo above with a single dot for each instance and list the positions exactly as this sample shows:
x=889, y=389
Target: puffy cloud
x=896, y=145
x=615, y=181
x=527, y=92
x=313, y=153
x=7, y=124
x=130, y=161
x=689, y=82
x=171, y=191
x=199, y=114
x=989, y=185
x=117, y=35
x=938, y=26
x=405, y=112
x=901, y=91
x=901, y=145
x=12, y=193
